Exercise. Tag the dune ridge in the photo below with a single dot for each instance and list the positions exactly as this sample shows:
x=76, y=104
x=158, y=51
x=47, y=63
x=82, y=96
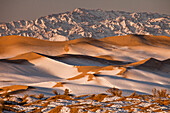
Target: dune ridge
x=22, y=45
x=85, y=64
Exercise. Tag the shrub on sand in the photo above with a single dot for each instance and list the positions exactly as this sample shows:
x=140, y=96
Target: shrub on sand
x=55, y=92
x=115, y=91
x=159, y=93
x=66, y=92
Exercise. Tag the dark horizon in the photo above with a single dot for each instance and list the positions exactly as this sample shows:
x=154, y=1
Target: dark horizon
x=14, y=10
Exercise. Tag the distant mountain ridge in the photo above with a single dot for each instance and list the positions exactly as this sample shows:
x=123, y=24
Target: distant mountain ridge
x=89, y=23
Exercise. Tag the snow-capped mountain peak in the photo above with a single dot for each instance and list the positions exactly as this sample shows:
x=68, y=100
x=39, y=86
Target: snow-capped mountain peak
x=89, y=23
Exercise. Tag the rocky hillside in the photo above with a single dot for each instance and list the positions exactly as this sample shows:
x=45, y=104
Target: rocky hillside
x=89, y=23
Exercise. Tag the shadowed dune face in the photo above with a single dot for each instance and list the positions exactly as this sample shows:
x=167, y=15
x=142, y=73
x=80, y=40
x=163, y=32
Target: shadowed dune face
x=156, y=66
x=127, y=62
x=83, y=60
x=18, y=61
x=151, y=63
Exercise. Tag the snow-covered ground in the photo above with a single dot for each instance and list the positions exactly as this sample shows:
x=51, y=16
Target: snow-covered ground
x=100, y=103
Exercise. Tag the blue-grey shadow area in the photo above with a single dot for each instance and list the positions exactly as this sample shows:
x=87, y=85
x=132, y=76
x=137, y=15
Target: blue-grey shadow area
x=41, y=90
x=131, y=80
x=69, y=59
x=18, y=61
x=126, y=92
x=26, y=70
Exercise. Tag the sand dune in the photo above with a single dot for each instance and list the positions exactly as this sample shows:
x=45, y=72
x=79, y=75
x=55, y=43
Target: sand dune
x=55, y=74
x=126, y=62
x=28, y=56
x=156, y=65
x=85, y=60
x=14, y=89
x=152, y=64
x=138, y=40
x=15, y=45
x=113, y=46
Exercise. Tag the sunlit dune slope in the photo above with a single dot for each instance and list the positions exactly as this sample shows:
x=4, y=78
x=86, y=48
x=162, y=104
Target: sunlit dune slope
x=27, y=56
x=138, y=40
x=22, y=58
x=13, y=89
x=14, y=45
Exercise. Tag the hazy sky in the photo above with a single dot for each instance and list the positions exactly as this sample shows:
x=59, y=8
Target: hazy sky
x=31, y=9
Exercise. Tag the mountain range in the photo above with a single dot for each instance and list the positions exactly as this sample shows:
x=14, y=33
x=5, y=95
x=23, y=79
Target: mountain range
x=89, y=23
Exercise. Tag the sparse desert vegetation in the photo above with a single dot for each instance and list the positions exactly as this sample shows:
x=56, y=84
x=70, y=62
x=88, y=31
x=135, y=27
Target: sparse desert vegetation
x=105, y=103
